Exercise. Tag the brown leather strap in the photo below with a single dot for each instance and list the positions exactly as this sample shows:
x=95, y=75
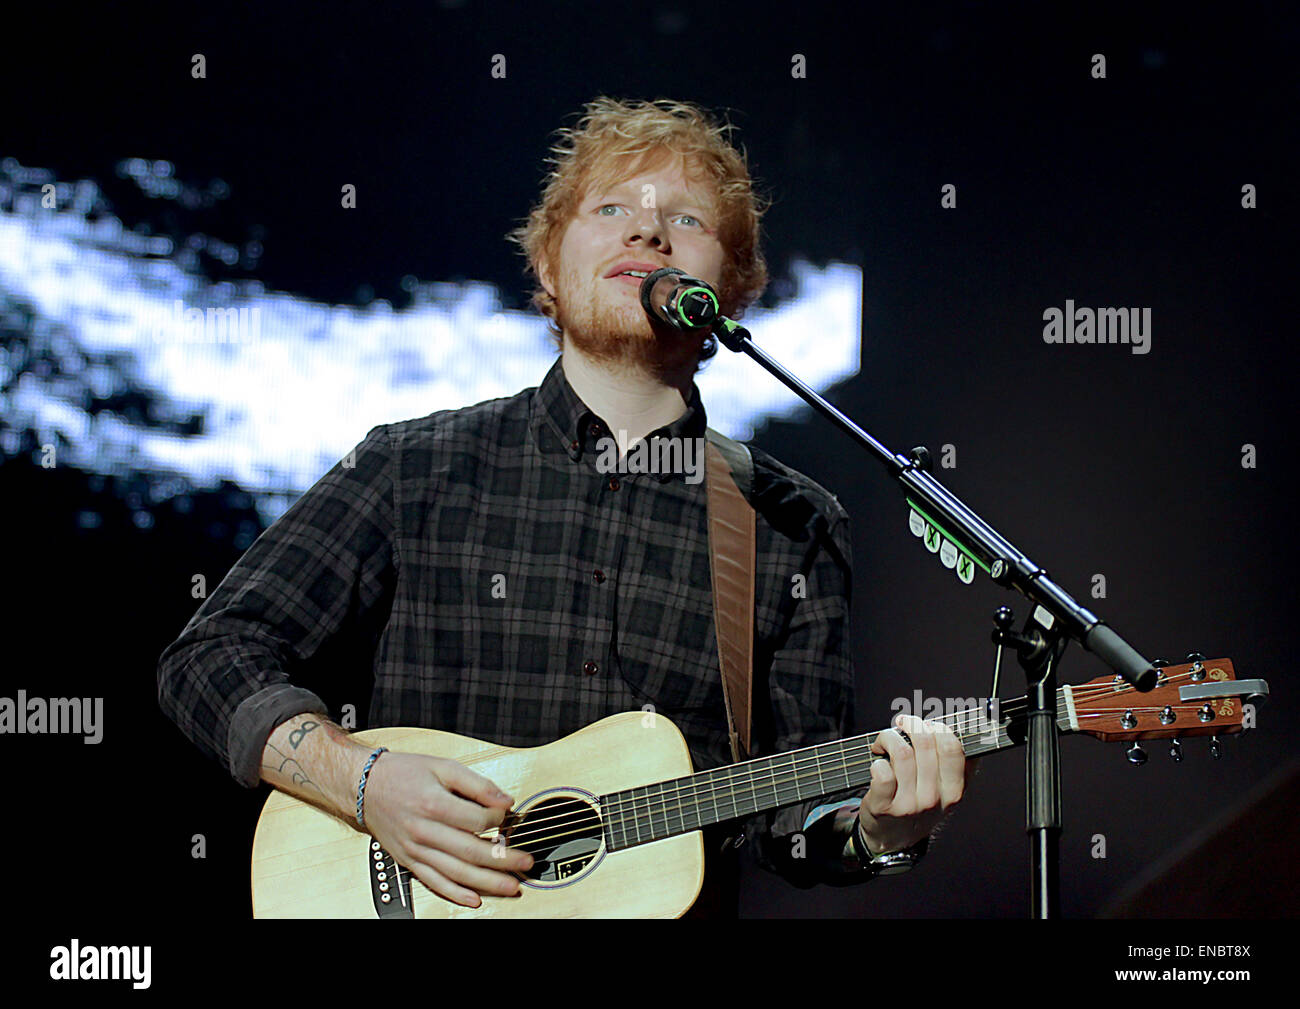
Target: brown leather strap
x=732, y=537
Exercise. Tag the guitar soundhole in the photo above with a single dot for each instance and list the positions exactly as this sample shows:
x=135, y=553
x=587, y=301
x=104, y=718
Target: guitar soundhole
x=562, y=833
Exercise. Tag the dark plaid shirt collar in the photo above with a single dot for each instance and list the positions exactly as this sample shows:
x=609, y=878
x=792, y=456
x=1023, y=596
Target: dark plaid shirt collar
x=562, y=422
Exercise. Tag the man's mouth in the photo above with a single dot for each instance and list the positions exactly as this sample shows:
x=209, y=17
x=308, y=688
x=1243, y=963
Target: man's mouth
x=637, y=269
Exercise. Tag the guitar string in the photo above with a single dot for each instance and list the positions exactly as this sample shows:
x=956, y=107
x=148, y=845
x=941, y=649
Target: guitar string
x=615, y=812
x=961, y=723
x=561, y=864
x=616, y=806
x=650, y=812
x=568, y=861
x=586, y=819
x=865, y=742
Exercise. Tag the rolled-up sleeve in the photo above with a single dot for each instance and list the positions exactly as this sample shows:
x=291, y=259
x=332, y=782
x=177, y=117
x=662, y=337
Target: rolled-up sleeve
x=309, y=578
x=811, y=688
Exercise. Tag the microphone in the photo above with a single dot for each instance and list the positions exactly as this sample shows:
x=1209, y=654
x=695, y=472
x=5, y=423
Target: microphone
x=686, y=303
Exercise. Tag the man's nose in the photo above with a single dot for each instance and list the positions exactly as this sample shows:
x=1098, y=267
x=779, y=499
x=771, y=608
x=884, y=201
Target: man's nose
x=648, y=226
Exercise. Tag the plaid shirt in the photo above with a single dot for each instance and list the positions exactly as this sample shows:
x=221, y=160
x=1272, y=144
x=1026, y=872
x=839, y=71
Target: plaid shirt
x=501, y=586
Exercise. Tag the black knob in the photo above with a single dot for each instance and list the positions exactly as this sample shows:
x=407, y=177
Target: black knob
x=1137, y=755
x=1176, y=751
x=1003, y=618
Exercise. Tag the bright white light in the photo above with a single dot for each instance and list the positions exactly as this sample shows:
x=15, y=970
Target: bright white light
x=307, y=380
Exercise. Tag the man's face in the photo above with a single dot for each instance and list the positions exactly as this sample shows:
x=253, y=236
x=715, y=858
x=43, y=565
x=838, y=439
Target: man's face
x=659, y=217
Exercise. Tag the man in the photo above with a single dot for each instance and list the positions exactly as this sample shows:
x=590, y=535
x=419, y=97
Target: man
x=506, y=586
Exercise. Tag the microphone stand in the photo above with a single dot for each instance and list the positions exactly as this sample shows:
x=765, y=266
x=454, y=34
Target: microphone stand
x=960, y=535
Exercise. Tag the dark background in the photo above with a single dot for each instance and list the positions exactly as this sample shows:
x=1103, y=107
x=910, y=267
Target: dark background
x=1124, y=191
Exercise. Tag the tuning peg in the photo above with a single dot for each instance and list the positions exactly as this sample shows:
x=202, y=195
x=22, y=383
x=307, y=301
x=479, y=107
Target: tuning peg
x=1160, y=662
x=1136, y=754
x=1216, y=748
x=1176, y=751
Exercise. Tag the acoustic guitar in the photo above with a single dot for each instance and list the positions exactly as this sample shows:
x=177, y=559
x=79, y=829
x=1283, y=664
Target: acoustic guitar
x=612, y=814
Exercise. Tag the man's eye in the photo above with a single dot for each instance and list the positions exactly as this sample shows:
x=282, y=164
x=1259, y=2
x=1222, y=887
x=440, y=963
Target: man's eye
x=696, y=222
x=608, y=206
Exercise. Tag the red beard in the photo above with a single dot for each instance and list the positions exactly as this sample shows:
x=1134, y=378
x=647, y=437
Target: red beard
x=611, y=327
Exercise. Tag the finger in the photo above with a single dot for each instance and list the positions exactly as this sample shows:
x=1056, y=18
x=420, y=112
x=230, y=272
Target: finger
x=925, y=748
x=902, y=760
x=953, y=771
x=442, y=806
x=880, y=796
x=474, y=849
x=480, y=880
x=437, y=882
x=458, y=778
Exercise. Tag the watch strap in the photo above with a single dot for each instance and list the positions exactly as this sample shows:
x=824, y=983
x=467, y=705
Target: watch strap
x=889, y=863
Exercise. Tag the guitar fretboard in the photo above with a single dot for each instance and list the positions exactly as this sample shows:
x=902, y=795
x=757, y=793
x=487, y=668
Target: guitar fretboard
x=668, y=808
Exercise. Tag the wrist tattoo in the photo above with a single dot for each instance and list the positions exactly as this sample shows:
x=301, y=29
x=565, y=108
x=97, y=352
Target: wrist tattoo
x=297, y=735
x=290, y=768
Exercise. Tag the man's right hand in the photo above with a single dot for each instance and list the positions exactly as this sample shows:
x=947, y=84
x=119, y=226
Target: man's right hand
x=428, y=812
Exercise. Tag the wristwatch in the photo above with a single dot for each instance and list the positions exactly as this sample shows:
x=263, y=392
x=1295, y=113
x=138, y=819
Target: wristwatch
x=890, y=863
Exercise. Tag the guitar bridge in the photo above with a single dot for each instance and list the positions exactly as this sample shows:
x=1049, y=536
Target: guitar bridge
x=390, y=884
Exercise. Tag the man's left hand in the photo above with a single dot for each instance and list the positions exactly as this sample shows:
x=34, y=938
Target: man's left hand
x=916, y=787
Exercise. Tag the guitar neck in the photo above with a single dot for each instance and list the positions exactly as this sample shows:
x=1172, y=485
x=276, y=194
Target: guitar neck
x=668, y=808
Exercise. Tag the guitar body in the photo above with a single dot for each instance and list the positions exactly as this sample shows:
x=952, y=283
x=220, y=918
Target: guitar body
x=309, y=864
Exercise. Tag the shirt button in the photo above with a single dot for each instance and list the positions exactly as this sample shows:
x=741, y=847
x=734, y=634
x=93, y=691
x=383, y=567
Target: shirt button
x=613, y=483
x=574, y=446
x=590, y=668
x=594, y=430
x=598, y=576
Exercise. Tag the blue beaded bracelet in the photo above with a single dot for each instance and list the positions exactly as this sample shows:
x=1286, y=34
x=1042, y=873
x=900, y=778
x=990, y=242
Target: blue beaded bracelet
x=361, y=786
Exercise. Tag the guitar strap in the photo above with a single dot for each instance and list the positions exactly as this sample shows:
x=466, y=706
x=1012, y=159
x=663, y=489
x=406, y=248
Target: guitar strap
x=729, y=475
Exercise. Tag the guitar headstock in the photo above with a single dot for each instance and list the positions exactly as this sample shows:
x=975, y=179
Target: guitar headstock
x=1201, y=697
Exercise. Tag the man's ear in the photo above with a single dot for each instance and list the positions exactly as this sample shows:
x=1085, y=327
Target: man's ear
x=544, y=274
